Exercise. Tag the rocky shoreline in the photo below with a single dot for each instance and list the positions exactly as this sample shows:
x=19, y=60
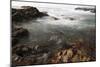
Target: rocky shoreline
x=24, y=13
x=34, y=53
x=21, y=51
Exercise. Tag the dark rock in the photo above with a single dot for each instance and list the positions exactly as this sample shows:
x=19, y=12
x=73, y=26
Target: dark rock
x=20, y=32
x=25, y=52
x=42, y=49
x=92, y=10
x=40, y=14
x=22, y=50
x=71, y=18
x=26, y=13
x=55, y=18
x=58, y=40
x=14, y=41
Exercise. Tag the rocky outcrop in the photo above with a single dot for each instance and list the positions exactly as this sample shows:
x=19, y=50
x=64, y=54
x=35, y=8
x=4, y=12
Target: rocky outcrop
x=92, y=10
x=29, y=54
x=33, y=54
x=26, y=13
x=71, y=55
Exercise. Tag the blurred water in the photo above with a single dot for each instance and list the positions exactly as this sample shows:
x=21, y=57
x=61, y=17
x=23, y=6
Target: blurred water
x=62, y=18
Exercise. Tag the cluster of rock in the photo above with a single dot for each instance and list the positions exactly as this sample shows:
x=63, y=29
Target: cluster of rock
x=77, y=52
x=92, y=10
x=28, y=54
x=38, y=52
x=70, y=56
x=26, y=13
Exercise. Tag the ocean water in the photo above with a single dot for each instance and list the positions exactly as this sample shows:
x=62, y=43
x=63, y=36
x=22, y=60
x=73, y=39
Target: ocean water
x=73, y=24
x=64, y=27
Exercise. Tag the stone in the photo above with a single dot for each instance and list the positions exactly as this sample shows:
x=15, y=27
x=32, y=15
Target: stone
x=26, y=13
x=20, y=32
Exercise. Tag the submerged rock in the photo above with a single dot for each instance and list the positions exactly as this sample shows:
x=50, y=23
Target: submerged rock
x=26, y=13
x=18, y=33
x=70, y=18
x=55, y=18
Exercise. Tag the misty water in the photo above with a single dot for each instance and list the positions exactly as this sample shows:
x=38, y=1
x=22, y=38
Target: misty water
x=63, y=21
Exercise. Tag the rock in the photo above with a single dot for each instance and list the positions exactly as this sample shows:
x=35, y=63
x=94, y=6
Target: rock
x=55, y=18
x=20, y=32
x=14, y=41
x=42, y=59
x=58, y=40
x=92, y=10
x=26, y=13
x=41, y=14
x=23, y=50
x=70, y=18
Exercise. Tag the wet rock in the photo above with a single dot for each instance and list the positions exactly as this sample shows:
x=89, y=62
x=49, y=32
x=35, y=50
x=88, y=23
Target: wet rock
x=42, y=59
x=20, y=32
x=55, y=18
x=70, y=18
x=27, y=54
x=58, y=40
x=26, y=13
x=92, y=10
x=41, y=14
x=14, y=41
x=68, y=56
x=22, y=50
